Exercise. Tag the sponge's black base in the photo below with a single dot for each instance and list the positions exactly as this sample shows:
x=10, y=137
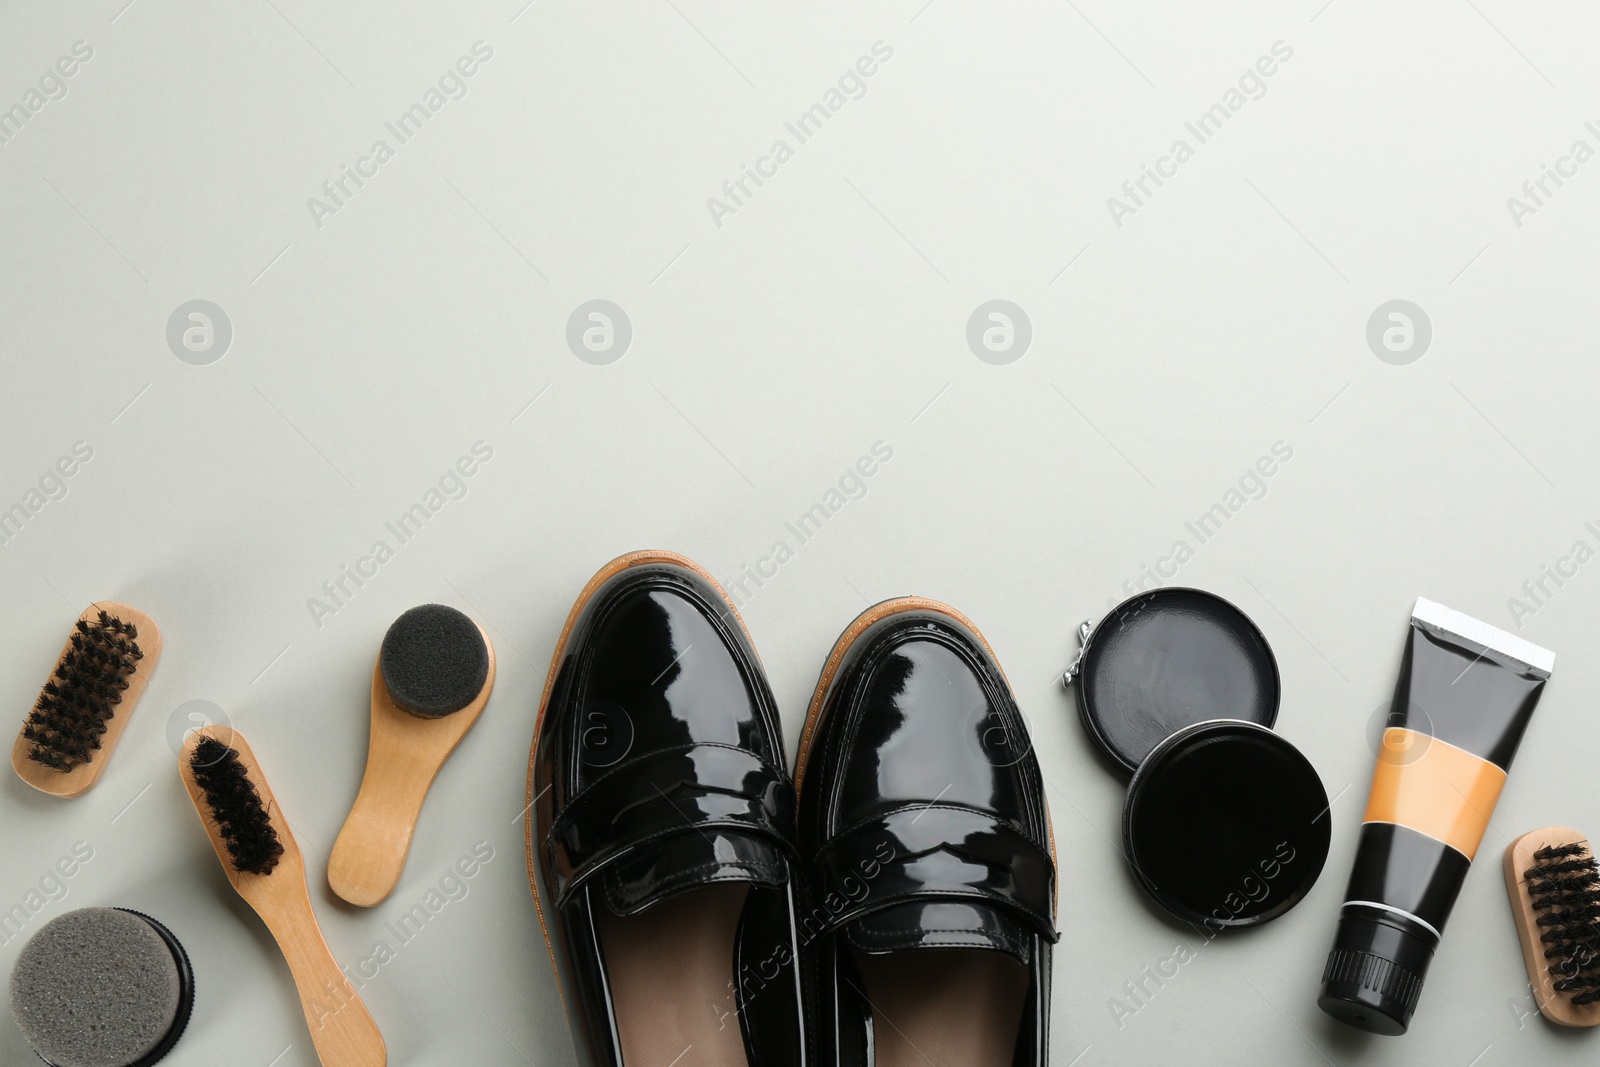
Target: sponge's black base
x=433, y=661
x=180, y=1021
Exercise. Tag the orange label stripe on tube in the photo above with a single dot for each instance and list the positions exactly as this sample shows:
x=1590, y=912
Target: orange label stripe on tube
x=1434, y=788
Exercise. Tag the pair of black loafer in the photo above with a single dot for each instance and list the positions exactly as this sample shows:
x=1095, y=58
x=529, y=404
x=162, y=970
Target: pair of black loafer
x=893, y=905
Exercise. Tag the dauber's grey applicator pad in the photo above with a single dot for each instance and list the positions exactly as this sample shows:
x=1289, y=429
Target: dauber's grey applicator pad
x=434, y=661
x=101, y=987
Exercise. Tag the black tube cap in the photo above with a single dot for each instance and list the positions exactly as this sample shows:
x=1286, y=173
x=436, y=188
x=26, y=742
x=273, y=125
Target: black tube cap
x=1375, y=971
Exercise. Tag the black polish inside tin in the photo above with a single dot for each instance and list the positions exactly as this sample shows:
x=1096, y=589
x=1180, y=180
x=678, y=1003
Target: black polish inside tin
x=1225, y=823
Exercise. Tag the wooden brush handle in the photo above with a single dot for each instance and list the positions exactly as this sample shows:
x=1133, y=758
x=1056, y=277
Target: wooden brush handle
x=403, y=758
x=341, y=1027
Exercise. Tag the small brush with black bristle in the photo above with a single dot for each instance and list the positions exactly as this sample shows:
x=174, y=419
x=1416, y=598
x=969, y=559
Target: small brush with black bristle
x=1554, y=883
x=69, y=718
x=263, y=863
x=1564, y=888
x=86, y=703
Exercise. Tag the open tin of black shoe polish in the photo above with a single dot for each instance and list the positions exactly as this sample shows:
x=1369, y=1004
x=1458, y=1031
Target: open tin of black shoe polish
x=1225, y=823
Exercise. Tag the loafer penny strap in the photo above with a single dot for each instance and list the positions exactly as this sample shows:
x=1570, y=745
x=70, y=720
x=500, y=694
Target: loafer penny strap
x=932, y=853
x=707, y=791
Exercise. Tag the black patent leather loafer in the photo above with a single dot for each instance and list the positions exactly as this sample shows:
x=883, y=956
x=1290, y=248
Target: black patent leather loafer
x=931, y=874
x=661, y=829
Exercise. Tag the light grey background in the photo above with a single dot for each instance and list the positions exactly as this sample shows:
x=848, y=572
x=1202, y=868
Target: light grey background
x=827, y=312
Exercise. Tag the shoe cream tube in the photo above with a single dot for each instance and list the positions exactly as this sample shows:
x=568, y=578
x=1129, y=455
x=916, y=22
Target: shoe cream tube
x=1465, y=695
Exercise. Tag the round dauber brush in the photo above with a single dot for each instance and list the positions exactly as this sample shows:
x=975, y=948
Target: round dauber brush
x=102, y=671
x=1554, y=885
x=102, y=987
x=259, y=855
x=432, y=679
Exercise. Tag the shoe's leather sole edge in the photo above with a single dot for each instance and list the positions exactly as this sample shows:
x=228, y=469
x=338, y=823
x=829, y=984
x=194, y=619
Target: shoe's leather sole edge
x=603, y=575
x=873, y=615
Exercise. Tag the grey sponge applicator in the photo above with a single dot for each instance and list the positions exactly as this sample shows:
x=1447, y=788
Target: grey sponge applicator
x=433, y=661
x=102, y=987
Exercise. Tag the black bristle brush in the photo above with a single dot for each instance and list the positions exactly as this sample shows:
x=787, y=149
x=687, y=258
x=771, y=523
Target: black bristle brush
x=263, y=863
x=67, y=739
x=1554, y=885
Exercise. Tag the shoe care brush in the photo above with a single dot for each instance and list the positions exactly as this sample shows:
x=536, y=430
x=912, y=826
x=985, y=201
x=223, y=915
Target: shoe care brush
x=85, y=705
x=434, y=673
x=1554, y=885
x=263, y=863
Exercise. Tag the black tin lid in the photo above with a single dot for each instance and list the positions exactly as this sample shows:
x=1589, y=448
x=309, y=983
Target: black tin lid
x=1226, y=824
x=1166, y=659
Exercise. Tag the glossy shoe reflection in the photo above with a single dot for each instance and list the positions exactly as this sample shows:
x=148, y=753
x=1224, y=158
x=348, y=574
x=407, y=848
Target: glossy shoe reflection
x=929, y=863
x=661, y=830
